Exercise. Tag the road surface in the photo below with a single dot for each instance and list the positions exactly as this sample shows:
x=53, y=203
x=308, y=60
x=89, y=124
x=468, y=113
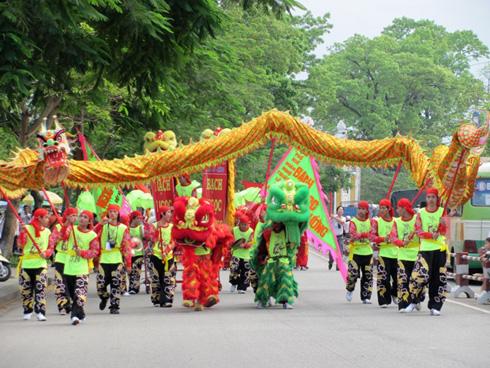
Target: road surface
x=322, y=331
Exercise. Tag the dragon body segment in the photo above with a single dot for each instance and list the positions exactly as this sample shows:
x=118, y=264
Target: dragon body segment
x=27, y=168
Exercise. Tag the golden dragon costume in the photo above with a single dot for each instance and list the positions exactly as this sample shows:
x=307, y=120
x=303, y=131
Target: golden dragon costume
x=454, y=167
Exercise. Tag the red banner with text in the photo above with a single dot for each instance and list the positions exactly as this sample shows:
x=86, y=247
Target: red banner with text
x=214, y=188
x=163, y=192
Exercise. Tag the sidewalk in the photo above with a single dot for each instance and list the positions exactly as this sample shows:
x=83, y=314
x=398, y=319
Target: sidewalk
x=9, y=290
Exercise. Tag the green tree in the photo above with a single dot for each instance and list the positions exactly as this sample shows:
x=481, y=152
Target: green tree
x=413, y=79
x=114, y=55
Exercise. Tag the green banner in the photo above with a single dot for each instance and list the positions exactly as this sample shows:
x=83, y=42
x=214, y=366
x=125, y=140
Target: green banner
x=296, y=166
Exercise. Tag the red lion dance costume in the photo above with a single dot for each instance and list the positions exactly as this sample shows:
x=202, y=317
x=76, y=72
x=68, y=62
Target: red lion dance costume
x=204, y=244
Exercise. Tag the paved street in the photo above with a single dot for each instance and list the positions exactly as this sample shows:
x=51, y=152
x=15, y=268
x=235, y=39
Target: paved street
x=322, y=331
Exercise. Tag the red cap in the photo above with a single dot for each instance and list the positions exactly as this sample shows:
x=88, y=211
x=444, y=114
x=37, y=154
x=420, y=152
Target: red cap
x=40, y=212
x=432, y=191
x=113, y=207
x=163, y=210
x=407, y=205
x=89, y=214
x=363, y=204
x=386, y=203
x=134, y=215
x=244, y=219
x=68, y=212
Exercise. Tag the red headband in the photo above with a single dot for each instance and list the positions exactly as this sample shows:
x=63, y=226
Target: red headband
x=40, y=212
x=363, y=204
x=134, y=215
x=386, y=203
x=433, y=191
x=89, y=214
x=68, y=212
x=406, y=205
x=113, y=207
x=244, y=219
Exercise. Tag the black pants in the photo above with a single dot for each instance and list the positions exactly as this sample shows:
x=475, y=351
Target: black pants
x=361, y=266
x=110, y=275
x=404, y=272
x=135, y=275
x=33, y=283
x=78, y=289
x=429, y=269
x=386, y=281
x=240, y=273
x=61, y=289
x=162, y=280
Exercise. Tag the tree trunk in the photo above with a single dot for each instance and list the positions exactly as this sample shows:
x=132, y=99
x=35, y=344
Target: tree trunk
x=8, y=233
x=38, y=199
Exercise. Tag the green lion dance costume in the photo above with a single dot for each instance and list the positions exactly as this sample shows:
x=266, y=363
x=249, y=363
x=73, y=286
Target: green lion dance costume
x=274, y=255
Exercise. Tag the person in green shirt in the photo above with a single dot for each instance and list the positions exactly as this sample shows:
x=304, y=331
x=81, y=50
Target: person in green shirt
x=114, y=255
x=162, y=263
x=387, y=255
x=60, y=246
x=82, y=245
x=360, y=254
x=141, y=234
x=403, y=235
x=430, y=266
x=33, y=274
x=240, y=251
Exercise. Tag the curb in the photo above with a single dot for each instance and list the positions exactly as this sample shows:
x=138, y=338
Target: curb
x=10, y=293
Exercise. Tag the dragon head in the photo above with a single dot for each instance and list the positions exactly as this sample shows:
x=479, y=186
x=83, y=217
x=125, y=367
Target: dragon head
x=160, y=141
x=474, y=137
x=289, y=202
x=54, y=150
x=192, y=221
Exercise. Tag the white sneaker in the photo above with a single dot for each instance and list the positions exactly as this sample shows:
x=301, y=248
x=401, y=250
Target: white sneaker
x=418, y=306
x=383, y=306
x=287, y=306
x=241, y=291
x=27, y=316
x=41, y=317
x=75, y=321
x=232, y=288
x=366, y=301
x=132, y=292
x=260, y=306
x=348, y=296
x=126, y=293
x=435, y=312
x=411, y=307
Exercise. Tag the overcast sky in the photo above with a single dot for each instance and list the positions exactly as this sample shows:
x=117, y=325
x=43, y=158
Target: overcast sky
x=369, y=17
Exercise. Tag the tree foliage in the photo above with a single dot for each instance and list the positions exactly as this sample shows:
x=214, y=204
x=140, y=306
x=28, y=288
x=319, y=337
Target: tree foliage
x=413, y=79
